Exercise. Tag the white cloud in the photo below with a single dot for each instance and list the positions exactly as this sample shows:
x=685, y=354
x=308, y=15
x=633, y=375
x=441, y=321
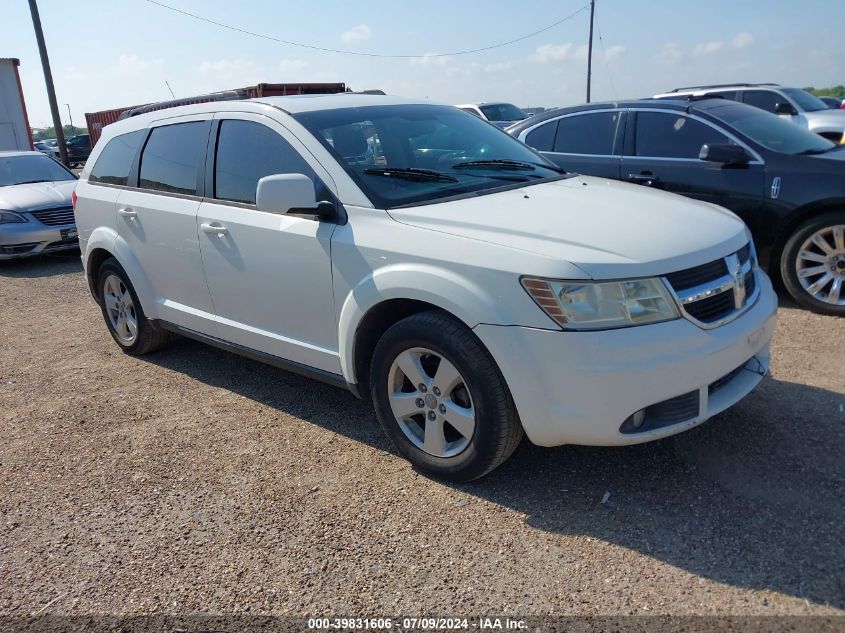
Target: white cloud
x=671, y=53
x=613, y=52
x=292, y=65
x=133, y=64
x=707, y=48
x=498, y=67
x=553, y=53
x=357, y=34
x=73, y=73
x=431, y=59
x=742, y=40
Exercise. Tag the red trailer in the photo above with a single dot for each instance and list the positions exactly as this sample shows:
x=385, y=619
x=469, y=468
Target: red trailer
x=98, y=120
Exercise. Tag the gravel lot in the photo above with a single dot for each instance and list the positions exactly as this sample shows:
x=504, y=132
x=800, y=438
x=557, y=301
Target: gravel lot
x=193, y=480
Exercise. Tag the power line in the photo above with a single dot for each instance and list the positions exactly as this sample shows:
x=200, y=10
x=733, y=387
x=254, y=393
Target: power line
x=606, y=65
x=358, y=53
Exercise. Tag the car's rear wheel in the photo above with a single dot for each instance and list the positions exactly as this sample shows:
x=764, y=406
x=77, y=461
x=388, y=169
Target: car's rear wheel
x=123, y=314
x=441, y=399
x=813, y=264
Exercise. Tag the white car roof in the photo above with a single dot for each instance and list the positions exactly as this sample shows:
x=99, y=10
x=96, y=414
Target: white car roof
x=9, y=153
x=704, y=91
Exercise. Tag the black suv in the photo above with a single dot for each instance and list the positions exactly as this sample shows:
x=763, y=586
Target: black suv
x=78, y=149
x=786, y=183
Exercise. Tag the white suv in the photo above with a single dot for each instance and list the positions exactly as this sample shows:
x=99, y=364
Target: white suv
x=420, y=257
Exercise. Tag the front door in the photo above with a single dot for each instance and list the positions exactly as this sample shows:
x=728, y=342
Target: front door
x=269, y=274
x=664, y=153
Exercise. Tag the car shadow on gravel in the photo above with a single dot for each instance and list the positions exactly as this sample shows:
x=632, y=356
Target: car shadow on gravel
x=753, y=498
x=41, y=266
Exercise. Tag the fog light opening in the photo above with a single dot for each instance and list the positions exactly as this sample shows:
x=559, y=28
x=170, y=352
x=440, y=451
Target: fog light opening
x=634, y=422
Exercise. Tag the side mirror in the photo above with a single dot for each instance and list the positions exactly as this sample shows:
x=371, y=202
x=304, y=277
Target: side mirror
x=785, y=108
x=290, y=193
x=724, y=153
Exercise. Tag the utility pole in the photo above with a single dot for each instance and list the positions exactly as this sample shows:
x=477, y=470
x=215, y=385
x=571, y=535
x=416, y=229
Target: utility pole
x=70, y=116
x=48, y=79
x=589, y=48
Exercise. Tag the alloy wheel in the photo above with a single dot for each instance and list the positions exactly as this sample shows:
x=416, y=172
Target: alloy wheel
x=120, y=309
x=431, y=402
x=820, y=265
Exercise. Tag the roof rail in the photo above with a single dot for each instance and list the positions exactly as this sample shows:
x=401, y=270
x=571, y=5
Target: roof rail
x=228, y=95
x=738, y=85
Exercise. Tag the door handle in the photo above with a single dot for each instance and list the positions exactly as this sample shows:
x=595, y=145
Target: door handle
x=217, y=229
x=646, y=178
x=127, y=212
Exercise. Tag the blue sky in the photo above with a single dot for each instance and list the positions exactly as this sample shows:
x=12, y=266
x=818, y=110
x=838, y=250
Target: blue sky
x=110, y=53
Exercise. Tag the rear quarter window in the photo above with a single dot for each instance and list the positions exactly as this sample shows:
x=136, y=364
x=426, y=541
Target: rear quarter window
x=115, y=161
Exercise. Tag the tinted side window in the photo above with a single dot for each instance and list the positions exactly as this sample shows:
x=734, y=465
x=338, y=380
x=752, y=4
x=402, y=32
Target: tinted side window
x=733, y=95
x=248, y=151
x=764, y=99
x=173, y=156
x=543, y=138
x=115, y=161
x=673, y=136
x=587, y=133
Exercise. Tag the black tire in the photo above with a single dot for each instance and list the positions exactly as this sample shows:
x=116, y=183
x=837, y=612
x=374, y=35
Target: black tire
x=147, y=339
x=497, y=430
x=789, y=266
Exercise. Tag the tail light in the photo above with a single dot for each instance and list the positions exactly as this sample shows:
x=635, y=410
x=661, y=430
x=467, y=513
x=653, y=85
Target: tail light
x=73, y=199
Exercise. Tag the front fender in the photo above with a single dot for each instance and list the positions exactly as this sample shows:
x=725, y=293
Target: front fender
x=438, y=286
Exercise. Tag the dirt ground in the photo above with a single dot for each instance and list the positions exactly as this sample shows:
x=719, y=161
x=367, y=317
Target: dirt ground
x=193, y=480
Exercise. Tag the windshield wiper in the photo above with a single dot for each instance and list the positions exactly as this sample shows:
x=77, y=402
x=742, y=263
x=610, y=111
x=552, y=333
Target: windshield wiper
x=494, y=163
x=410, y=173
x=32, y=182
x=815, y=150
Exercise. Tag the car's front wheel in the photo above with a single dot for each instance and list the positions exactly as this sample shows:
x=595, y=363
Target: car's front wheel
x=123, y=314
x=441, y=399
x=813, y=264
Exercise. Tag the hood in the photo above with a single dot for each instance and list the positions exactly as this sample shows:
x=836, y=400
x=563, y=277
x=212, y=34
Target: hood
x=37, y=195
x=826, y=120
x=608, y=229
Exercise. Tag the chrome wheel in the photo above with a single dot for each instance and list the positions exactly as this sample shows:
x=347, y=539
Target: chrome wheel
x=431, y=402
x=820, y=265
x=120, y=309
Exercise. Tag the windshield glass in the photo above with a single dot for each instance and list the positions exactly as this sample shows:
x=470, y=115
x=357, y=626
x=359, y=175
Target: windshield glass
x=771, y=131
x=406, y=154
x=805, y=100
x=502, y=112
x=16, y=170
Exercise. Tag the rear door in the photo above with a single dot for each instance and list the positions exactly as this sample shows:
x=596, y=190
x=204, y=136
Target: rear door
x=269, y=274
x=157, y=221
x=661, y=151
x=583, y=142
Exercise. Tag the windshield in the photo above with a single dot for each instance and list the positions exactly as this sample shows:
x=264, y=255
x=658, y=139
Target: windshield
x=407, y=154
x=16, y=170
x=805, y=100
x=503, y=112
x=771, y=131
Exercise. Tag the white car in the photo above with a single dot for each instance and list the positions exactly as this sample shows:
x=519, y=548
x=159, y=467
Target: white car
x=418, y=256
x=499, y=114
x=793, y=104
x=36, y=212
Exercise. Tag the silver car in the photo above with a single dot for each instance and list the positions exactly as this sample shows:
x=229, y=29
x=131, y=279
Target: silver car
x=36, y=210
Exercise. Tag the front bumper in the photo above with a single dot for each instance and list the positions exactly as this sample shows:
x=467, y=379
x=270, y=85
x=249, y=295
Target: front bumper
x=33, y=238
x=579, y=387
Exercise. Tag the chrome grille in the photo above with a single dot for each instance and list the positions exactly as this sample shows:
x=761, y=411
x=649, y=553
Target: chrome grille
x=717, y=292
x=55, y=217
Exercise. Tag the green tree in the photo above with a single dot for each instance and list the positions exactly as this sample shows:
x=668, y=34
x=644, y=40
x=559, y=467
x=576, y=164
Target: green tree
x=39, y=134
x=833, y=91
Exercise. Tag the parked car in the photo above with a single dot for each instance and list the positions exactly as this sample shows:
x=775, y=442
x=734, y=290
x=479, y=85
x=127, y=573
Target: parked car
x=462, y=283
x=793, y=104
x=44, y=148
x=499, y=114
x=787, y=184
x=834, y=103
x=78, y=149
x=36, y=214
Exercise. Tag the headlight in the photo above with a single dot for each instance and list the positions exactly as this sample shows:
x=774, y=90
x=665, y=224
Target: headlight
x=587, y=305
x=9, y=217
